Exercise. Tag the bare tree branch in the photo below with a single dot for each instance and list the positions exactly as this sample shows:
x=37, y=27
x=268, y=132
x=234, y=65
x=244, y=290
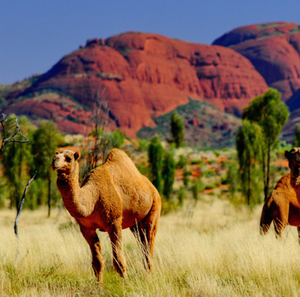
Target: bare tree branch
x=98, y=149
x=9, y=131
x=21, y=205
x=18, y=216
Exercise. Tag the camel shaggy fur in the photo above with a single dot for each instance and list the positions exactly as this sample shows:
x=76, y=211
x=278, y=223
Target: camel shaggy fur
x=112, y=197
x=282, y=207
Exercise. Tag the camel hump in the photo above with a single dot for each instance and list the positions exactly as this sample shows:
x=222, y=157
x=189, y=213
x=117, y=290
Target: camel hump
x=119, y=160
x=115, y=155
x=284, y=182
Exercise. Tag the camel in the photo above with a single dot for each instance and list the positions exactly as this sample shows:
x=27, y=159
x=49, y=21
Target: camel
x=112, y=197
x=282, y=207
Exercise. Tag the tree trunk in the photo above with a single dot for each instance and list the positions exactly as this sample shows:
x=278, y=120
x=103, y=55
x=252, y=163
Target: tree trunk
x=249, y=184
x=264, y=174
x=49, y=195
x=267, y=177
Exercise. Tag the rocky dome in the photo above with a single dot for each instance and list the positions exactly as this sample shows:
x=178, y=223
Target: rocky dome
x=141, y=75
x=273, y=49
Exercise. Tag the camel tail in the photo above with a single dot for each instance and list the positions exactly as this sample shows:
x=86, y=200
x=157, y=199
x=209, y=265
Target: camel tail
x=265, y=219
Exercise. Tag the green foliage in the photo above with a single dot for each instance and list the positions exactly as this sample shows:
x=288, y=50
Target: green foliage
x=36, y=195
x=217, y=153
x=186, y=175
x=143, y=144
x=197, y=162
x=296, y=142
x=155, y=155
x=182, y=162
x=168, y=174
x=271, y=114
x=168, y=206
x=45, y=141
x=15, y=159
x=211, y=136
x=2, y=190
x=209, y=173
x=177, y=129
x=96, y=149
x=248, y=142
x=21, y=160
x=181, y=195
x=196, y=188
x=116, y=139
x=143, y=168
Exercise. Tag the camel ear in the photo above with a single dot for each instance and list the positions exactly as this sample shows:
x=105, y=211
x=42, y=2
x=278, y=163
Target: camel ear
x=289, y=154
x=286, y=154
x=76, y=155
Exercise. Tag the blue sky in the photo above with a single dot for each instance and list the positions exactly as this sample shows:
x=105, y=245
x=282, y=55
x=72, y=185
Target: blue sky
x=35, y=34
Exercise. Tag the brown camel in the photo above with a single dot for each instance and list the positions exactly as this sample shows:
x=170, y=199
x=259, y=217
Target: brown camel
x=112, y=197
x=282, y=207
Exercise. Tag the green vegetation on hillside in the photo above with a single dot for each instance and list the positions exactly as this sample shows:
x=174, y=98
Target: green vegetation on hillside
x=204, y=126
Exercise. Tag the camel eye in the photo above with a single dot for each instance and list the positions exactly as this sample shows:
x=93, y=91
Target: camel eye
x=68, y=159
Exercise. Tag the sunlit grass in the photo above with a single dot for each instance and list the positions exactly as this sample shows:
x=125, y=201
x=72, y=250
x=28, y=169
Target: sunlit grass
x=211, y=250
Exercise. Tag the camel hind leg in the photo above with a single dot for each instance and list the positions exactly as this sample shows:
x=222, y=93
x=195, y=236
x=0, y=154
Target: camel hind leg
x=265, y=220
x=145, y=232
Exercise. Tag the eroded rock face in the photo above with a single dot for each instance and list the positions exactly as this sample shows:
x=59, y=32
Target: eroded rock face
x=142, y=75
x=274, y=50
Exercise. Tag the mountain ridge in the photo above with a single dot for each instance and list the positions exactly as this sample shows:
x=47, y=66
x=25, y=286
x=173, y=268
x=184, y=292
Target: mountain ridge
x=141, y=75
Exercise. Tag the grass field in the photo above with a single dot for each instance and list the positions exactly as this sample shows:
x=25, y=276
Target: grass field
x=211, y=250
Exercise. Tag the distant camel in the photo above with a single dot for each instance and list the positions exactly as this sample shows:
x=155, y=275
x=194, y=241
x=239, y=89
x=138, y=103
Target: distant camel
x=112, y=197
x=282, y=207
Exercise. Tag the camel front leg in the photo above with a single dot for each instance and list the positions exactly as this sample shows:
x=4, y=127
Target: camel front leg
x=115, y=234
x=97, y=258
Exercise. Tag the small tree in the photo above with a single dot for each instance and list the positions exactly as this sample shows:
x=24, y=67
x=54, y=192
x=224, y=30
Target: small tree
x=271, y=114
x=155, y=154
x=296, y=142
x=11, y=131
x=46, y=139
x=248, y=142
x=177, y=129
x=15, y=158
x=233, y=179
x=196, y=188
x=96, y=149
x=168, y=174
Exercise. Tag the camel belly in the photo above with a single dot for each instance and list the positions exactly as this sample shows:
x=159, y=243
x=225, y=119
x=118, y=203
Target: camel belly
x=134, y=210
x=294, y=216
x=92, y=222
x=137, y=202
x=131, y=218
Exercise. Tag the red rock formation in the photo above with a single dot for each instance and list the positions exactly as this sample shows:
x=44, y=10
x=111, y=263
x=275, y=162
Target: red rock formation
x=274, y=50
x=142, y=75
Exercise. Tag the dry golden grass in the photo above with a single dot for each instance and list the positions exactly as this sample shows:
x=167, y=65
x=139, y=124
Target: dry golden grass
x=212, y=250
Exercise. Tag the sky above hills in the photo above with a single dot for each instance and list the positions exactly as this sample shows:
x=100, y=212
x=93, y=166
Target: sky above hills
x=35, y=34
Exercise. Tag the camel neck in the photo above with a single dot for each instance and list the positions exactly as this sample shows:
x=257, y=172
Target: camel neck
x=71, y=193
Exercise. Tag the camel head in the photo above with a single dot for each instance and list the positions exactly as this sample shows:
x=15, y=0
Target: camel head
x=293, y=157
x=65, y=162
